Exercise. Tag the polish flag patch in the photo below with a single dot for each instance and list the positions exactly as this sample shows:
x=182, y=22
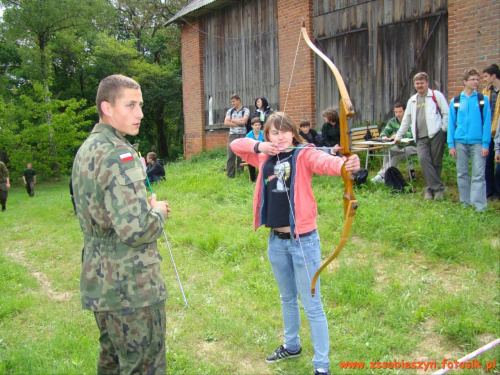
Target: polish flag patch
x=126, y=157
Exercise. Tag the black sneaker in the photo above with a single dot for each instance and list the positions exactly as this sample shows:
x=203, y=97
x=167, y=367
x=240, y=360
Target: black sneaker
x=282, y=353
x=321, y=371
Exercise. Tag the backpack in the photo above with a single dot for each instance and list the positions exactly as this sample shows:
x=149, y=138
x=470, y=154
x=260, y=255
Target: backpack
x=360, y=177
x=368, y=134
x=438, y=110
x=248, y=125
x=480, y=100
x=394, y=179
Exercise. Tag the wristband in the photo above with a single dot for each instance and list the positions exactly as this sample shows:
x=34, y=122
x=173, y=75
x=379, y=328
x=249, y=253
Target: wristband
x=256, y=148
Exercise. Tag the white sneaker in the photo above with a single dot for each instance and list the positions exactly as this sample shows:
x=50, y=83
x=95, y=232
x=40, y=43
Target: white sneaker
x=378, y=179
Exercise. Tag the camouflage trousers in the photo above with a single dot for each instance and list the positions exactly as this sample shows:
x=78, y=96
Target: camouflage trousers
x=30, y=188
x=4, y=193
x=132, y=343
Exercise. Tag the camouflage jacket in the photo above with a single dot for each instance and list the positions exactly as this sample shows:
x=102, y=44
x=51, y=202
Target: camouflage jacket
x=121, y=262
x=4, y=173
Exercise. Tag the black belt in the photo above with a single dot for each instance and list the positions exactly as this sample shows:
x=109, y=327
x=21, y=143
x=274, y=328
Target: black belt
x=288, y=235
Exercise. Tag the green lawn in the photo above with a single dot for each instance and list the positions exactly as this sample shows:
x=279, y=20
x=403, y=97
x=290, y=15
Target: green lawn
x=418, y=280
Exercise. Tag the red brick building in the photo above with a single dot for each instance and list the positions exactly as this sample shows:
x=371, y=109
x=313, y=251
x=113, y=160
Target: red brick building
x=372, y=39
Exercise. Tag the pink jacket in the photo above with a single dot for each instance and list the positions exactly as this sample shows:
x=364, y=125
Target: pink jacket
x=306, y=163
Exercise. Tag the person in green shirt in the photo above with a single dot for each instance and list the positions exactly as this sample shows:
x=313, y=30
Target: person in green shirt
x=399, y=152
x=29, y=179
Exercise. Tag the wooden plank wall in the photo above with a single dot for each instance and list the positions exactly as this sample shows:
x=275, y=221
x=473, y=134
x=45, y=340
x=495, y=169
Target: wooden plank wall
x=378, y=45
x=241, y=57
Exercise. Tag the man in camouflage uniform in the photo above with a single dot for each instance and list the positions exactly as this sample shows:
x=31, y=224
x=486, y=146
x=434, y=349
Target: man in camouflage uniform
x=121, y=280
x=4, y=185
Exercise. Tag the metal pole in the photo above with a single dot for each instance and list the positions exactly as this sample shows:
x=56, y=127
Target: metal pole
x=175, y=268
x=168, y=245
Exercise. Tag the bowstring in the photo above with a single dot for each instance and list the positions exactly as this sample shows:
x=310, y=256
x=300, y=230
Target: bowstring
x=282, y=176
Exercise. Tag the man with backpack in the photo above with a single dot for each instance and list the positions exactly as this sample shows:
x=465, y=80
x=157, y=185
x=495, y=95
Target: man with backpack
x=427, y=114
x=469, y=136
x=236, y=118
x=492, y=173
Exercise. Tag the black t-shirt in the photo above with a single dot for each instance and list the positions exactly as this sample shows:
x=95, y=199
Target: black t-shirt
x=29, y=175
x=277, y=179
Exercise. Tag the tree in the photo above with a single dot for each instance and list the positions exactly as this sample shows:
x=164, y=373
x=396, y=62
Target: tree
x=54, y=53
x=35, y=25
x=143, y=22
x=35, y=34
x=24, y=132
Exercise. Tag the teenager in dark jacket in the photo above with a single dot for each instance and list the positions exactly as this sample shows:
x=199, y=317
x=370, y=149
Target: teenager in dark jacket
x=155, y=169
x=330, y=132
x=309, y=134
x=262, y=110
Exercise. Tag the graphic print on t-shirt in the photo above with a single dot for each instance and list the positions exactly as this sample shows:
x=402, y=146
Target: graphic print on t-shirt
x=282, y=173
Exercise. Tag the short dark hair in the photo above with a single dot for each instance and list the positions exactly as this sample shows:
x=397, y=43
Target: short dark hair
x=235, y=96
x=493, y=69
x=304, y=123
x=111, y=88
x=399, y=104
x=151, y=155
x=256, y=120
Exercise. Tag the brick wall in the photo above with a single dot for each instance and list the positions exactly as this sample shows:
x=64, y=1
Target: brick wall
x=192, y=90
x=216, y=139
x=300, y=101
x=473, y=39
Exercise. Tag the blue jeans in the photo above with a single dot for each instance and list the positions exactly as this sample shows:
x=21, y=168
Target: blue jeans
x=472, y=192
x=293, y=277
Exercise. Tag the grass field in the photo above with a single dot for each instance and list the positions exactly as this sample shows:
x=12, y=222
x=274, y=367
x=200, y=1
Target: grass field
x=418, y=280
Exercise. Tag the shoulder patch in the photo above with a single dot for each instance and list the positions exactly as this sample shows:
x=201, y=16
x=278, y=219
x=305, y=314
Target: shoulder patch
x=127, y=156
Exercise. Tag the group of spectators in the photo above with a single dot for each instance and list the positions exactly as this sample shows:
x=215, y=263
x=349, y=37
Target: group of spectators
x=241, y=125
x=467, y=123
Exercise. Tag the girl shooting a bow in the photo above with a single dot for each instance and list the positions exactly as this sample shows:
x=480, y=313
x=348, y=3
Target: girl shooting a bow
x=284, y=202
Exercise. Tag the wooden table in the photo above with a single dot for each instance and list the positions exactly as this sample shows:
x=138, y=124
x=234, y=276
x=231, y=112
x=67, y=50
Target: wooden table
x=385, y=146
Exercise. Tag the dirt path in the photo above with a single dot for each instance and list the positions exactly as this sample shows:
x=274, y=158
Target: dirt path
x=41, y=278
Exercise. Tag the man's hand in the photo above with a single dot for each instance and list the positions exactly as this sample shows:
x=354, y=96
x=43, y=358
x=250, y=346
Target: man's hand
x=497, y=158
x=453, y=152
x=396, y=141
x=158, y=204
x=485, y=152
x=352, y=164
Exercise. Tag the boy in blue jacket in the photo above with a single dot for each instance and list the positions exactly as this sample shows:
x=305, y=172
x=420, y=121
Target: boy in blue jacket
x=469, y=136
